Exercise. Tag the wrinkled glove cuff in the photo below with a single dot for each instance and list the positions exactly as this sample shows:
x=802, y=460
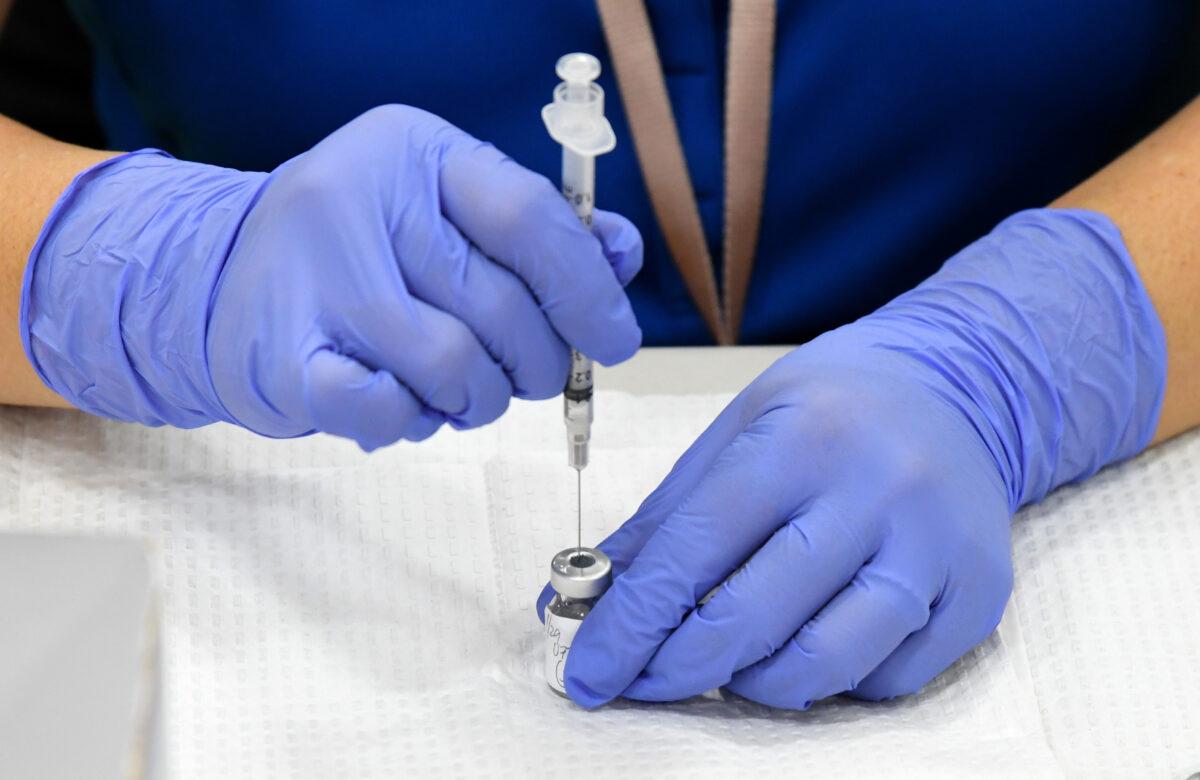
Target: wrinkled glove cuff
x=116, y=294
x=1045, y=336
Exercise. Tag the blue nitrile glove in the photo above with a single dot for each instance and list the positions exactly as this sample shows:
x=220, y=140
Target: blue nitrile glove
x=399, y=275
x=867, y=480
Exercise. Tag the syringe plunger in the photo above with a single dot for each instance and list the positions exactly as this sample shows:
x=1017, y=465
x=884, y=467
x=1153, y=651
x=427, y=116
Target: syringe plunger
x=576, y=117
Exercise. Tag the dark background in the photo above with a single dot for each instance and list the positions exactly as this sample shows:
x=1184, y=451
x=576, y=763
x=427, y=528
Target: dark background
x=46, y=73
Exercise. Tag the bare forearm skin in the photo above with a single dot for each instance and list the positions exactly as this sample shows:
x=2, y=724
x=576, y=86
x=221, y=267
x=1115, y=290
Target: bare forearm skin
x=1152, y=193
x=34, y=171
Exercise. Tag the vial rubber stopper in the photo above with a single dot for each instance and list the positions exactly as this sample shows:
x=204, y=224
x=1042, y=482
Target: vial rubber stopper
x=580, y=573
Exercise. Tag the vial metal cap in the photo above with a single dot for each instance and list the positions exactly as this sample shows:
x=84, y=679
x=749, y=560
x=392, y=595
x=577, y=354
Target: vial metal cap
x=580, y=573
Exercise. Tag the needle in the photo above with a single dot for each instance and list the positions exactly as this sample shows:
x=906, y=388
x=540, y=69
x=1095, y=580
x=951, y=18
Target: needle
x=579, y=511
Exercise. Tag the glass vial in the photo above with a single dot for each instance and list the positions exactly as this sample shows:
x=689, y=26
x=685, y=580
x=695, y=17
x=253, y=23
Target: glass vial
x=579, y=576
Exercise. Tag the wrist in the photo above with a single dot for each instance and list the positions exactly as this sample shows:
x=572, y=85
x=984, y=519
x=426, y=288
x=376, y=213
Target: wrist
x=1045, y=337
x=115, y=294
x=34, y=171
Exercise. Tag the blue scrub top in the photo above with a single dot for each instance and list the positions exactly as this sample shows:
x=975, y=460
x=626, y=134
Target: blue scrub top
x=901, y=129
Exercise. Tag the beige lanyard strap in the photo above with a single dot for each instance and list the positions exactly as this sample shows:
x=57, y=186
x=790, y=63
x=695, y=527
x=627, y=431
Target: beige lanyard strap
x=748, y=73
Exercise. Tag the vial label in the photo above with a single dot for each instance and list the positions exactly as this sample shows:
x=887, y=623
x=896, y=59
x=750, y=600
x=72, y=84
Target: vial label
x=560, y=632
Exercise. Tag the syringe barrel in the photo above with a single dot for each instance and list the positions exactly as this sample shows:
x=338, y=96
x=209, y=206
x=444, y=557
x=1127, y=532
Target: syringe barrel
x=579, y=184
x=579, y=382
x=578, y=187
x=576, y=120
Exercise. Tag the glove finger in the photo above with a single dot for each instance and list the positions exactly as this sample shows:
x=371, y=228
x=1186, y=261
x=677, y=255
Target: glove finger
x=961, y=620
x=544, y=598
x=622, y=244
x=800, y=568
x=885, y=602
x=346, y=398
x=520, y=220
x=752, y=488
x=623, y=545
x=454, y=276
x=437, y=356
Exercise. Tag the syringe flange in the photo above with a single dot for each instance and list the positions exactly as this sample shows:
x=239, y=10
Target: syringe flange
x=576, y=117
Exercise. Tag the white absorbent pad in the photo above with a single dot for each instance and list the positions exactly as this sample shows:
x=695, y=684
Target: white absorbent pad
x=333, y=614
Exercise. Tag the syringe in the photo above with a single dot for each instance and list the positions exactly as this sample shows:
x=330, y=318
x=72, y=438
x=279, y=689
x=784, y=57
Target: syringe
x=576, y=120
